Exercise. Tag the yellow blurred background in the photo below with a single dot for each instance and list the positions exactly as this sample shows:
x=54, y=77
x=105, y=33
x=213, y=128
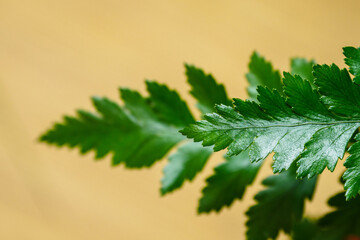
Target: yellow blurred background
x=54, y=55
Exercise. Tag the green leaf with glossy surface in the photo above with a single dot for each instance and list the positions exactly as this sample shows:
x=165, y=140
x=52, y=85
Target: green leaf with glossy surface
x=233, y=176
x=338, y=90
x=352, y=173
x=300, y=127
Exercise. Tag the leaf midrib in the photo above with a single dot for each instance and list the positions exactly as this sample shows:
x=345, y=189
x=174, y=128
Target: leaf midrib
x=288, y=125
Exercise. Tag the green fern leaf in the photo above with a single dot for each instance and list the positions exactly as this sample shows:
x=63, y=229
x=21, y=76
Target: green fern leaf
x=137, y=133
x=298, y=127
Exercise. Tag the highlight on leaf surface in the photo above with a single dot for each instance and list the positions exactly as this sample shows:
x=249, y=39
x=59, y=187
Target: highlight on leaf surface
x=232, y=177
x=311, y=127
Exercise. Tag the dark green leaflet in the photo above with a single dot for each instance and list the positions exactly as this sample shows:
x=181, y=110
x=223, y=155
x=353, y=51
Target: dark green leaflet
x=205, y=89
x=228, y=183
x=184, y=164
x=279, y=206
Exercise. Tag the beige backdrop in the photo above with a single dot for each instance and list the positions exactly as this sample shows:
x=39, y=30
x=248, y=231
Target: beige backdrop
x=55, y=54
